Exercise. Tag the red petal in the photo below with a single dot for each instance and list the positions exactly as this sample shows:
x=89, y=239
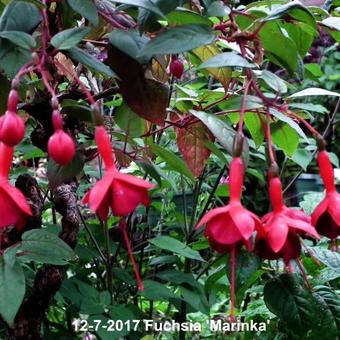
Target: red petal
x=319, y=210
x=277, y=233
x=211, y=214
x=99, y=192
x=125, y=197
x=6, y=157
x=334, y=207
x=326, y=170
x=223, y=230
x=236, y=178
x=10, y=212
x=242, y=220
x=17, y=198
x=298, y=224
x=275, y=192
x=133, y=180
x=104, y=146
x=297, y=214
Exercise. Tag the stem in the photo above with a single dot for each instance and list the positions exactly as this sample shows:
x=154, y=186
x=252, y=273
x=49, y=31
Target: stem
x=108, y=260
x=243, y=107
x=232, y=290
x=303, y=273
x=269, y=138
x=91, y=235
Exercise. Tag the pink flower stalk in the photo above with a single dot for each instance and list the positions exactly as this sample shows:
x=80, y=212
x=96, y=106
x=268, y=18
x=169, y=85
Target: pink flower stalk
x=279, y=235
x=122, y=192
x=14, y=209
x=326, y=216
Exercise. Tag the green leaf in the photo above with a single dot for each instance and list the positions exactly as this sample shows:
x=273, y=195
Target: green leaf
x=285, y=137
x=329, y=258
x=130, y=42
x=154, y=290
x=147, y=4
x=332, y=22
x=218, y=9
x=179, y=278
x=222, y=74
x=302, y=157
x=13, y=57
x=12, y=287
x=332, y=300
x=327, y=309
x=58, y=174
x=274, y=82
x=254, y=125
x=314, y=91
x=85, y=8
x=76, y=110
x=42, y=246
x=309, y=107
x=279, y=115
x=172, y=160
x=227, y=59
x=196, y=298
x=295, y=10
x=247, y=265
x=279, y=48
x=175, y=246
x=18, y=38
x=182, y=16
x=288, y=299
x=127, y=120
x=222, y=131
x=179, y=39
x=91, y=62
x=67, y=39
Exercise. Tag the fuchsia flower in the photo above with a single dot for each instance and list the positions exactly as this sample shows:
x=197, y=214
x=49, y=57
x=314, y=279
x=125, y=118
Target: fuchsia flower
x=232, y=225
x=176, y=67
x=123, y=193
x=12, y=127
x=14, y=209
x=60, y=145
x=279, y=235
x=227, y=228
x=326, y=216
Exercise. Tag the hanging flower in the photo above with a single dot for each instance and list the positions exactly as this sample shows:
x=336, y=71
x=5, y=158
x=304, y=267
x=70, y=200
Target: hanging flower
x=176, y=67
x=60, y=145
x=227, y=228
x=122, y=192
x=232, y=225
x=14, y=209
x=279, y=235
x=326, y=216
x=12, y=127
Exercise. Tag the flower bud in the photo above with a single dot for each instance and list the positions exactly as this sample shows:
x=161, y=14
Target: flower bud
x=12, y=128
x=61, y=147
x=176, y=68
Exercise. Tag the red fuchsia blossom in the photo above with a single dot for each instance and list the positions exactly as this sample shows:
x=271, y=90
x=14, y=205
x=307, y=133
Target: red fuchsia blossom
x=122, y=192
x=14, y=209
x=232, y=225
x=326, y=216
x=279, y=235
x=60, y=145
x=227, y=228
x=176, y=67
x=12, y=127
